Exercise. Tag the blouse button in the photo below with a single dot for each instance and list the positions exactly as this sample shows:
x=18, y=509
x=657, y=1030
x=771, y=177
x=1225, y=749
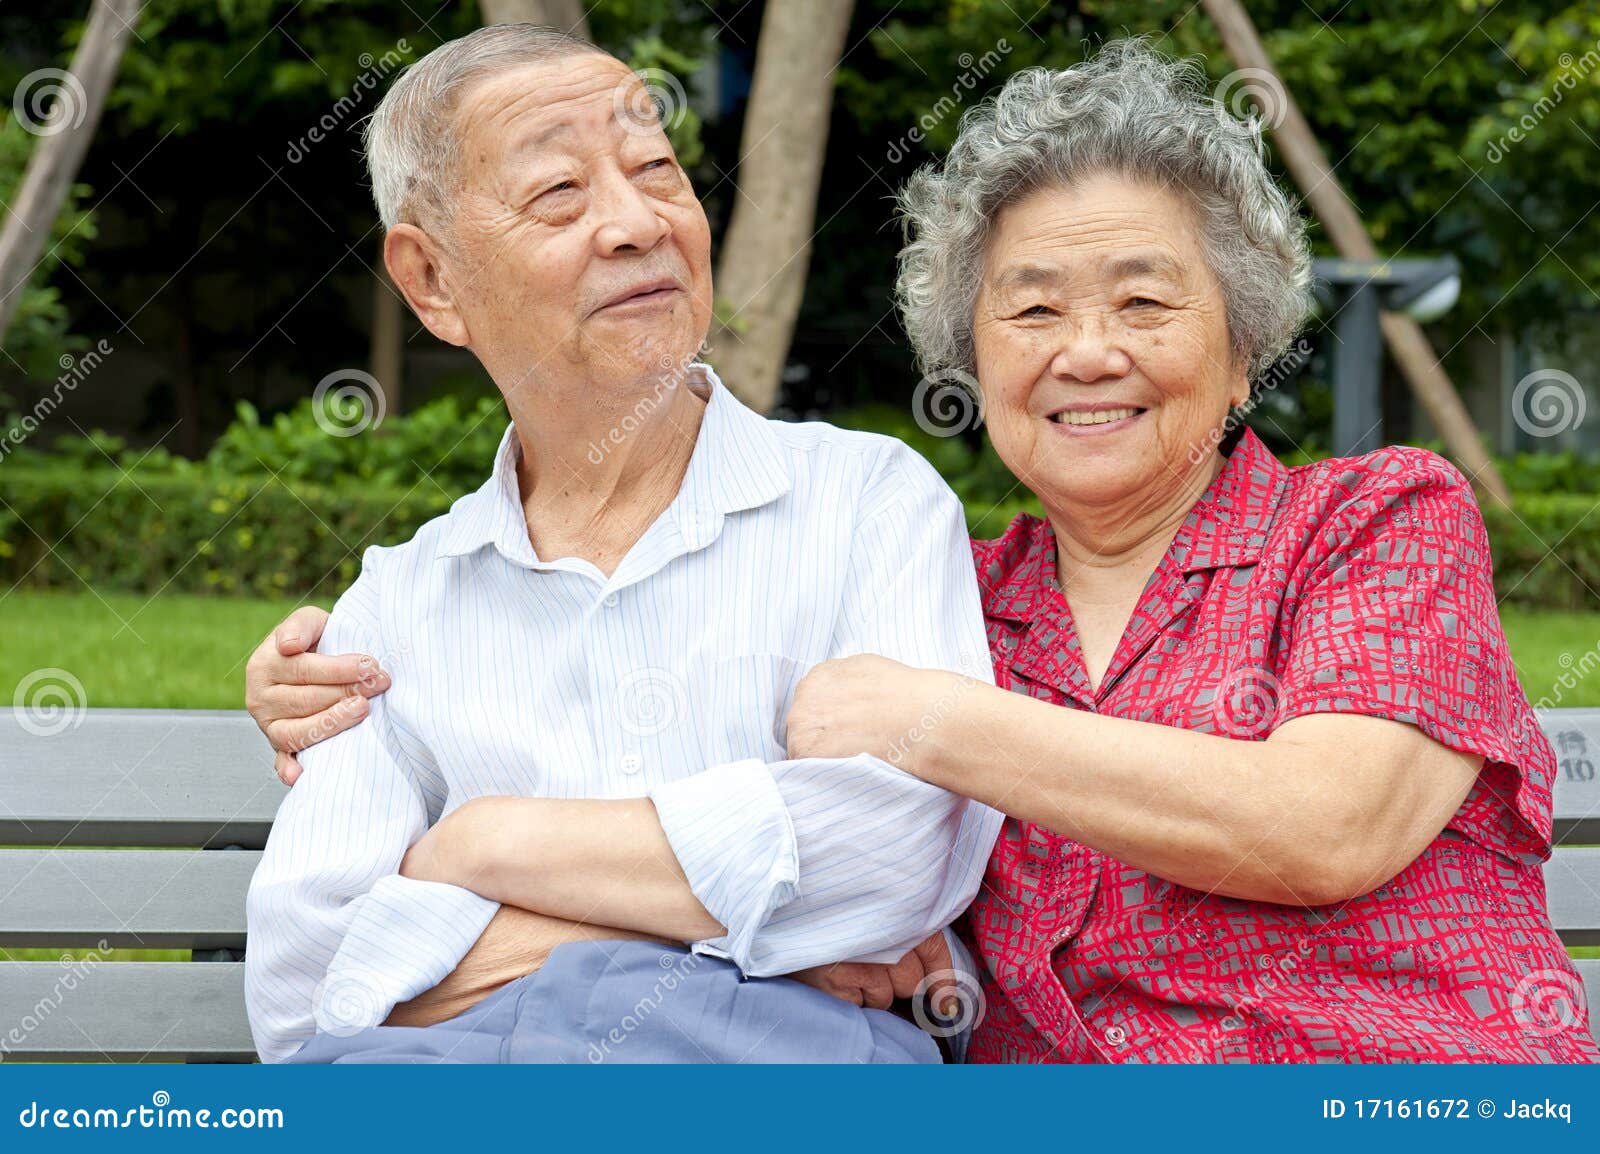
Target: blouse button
x=631, y=763
x=611, y=600
x=1116, y=1035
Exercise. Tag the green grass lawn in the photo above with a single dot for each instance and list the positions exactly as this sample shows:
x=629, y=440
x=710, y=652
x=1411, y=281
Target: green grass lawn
x=177, y=651
x=184, y=651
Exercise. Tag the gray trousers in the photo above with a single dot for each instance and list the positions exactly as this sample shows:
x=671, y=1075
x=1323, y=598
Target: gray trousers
x=631, y=1001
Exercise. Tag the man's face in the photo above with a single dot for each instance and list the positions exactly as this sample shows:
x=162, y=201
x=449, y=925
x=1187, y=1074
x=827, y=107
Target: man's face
x=578, y=250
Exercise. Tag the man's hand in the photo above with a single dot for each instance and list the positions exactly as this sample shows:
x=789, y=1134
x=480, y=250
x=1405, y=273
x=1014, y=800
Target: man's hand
x=926, y=971
x=299, y=697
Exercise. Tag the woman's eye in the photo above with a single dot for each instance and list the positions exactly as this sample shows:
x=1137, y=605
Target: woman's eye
x=564, y=186
x=1035, y=311
x=1143, y=302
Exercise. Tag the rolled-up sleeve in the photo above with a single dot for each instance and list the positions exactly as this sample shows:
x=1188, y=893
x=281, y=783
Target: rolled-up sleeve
x=818, y=860
x=337, y=936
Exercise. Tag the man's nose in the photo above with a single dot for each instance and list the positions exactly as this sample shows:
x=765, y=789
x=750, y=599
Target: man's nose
x=630, y=220
x=1087, y=352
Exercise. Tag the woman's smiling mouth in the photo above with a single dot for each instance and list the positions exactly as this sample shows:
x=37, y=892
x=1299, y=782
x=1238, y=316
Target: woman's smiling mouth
x=1093, y=420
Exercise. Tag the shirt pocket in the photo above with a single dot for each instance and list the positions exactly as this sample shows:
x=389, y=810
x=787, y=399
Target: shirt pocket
x=743, y=706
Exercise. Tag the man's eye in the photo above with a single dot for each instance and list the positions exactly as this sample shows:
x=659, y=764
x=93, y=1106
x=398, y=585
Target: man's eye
x=562, y=187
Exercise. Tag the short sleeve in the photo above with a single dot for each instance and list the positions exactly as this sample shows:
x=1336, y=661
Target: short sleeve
x=1395, y=617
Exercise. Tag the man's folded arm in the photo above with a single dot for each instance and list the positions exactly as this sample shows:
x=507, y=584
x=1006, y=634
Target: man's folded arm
x=821, y=860
x=788, y=865
x=337, y=936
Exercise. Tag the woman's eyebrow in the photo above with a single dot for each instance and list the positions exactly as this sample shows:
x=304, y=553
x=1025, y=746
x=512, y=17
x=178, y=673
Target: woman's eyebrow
x=1028, y=276
x=1142, y=264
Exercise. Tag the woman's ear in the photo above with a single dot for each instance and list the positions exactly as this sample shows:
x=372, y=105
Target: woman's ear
x=1239, y=389
x=416, y=262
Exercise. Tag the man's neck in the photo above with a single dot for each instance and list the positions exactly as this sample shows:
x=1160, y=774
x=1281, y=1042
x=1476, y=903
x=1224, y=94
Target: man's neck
x=592, y=480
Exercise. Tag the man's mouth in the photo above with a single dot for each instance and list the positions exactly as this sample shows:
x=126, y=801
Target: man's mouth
x=643, y=293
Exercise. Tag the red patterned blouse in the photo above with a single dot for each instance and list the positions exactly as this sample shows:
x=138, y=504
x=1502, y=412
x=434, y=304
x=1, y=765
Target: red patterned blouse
x=1359, y=585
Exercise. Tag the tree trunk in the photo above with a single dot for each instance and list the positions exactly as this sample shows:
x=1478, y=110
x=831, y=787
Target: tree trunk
x=63, y=140
x=387, y=360
x=761, y=271
x=1298, y=146
x=567, y=15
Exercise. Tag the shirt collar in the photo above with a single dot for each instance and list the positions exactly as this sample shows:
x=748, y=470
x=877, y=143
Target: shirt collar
x=738, y=463
x=1226, y=528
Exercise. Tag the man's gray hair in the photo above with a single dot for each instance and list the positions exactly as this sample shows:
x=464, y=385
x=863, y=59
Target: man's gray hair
x=412, y=139
x=1129, y=111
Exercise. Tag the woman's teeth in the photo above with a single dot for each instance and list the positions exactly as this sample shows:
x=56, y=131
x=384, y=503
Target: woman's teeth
x=1102, y=417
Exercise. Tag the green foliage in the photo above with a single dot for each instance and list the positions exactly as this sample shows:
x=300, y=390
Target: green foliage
x=195, y=530
x=1547, y=552
x=448, y=440
x=199, y=61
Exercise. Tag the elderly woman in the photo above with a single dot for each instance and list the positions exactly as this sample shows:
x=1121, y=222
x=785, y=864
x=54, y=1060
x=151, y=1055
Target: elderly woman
x=1274, y=793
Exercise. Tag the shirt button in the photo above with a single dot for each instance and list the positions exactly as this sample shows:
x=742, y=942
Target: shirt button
x=631, y=763
x=611, y=600
x=1116, y=1035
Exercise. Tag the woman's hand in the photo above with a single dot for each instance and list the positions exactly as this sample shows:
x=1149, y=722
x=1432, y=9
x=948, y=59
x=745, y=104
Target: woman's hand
x=299, y=697
x=870, y=704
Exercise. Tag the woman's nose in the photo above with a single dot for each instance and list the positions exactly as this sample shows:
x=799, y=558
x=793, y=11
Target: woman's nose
x=1087, y=353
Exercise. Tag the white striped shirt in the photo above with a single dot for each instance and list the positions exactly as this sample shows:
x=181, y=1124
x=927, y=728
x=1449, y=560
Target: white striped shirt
x=786, y=545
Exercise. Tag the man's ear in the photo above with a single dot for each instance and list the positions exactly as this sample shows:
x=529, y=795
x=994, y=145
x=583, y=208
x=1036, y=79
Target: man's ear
x=416, y=262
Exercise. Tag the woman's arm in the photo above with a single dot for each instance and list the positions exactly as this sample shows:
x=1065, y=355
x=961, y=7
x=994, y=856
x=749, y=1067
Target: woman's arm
x=1327, y=808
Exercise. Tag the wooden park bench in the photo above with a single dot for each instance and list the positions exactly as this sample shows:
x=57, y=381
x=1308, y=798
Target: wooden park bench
x=175, y=780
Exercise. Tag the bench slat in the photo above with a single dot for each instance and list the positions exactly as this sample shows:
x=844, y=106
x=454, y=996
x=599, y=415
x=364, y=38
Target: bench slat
x=138, y=899
x=1575, y=734
x=124, y=1011
x=137, y=777
x=1572, y=887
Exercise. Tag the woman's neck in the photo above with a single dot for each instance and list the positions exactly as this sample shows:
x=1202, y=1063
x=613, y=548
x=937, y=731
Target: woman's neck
x=1123, y=542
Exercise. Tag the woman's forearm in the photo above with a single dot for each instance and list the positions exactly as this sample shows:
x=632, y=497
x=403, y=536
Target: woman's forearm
x=604, y=862
x=1328, y=807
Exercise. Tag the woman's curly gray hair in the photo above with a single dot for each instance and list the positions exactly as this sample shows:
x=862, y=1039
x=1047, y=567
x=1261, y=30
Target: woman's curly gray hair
x=1132, y=111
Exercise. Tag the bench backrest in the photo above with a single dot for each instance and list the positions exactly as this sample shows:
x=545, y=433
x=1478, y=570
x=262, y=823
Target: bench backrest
x=198, y=788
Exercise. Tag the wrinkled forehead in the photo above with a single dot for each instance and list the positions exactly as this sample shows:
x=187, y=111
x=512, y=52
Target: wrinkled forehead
x=528, y=108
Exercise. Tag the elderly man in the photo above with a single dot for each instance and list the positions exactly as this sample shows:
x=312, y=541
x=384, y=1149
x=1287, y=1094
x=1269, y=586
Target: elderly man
x=580, y=767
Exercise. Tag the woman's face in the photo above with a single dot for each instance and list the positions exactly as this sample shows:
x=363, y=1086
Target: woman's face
x=1102, y=346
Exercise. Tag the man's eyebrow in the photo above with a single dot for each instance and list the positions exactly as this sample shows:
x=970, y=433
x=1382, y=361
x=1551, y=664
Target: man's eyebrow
x=528, y=145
